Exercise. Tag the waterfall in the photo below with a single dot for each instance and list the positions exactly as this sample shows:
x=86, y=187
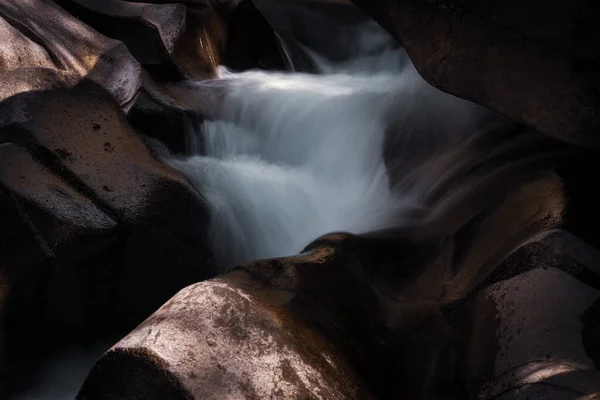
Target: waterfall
x=293, y=156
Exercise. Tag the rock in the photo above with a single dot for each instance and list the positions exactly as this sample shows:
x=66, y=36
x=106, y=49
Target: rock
x=274, y=328
x=172, y=125
x=75, y=47
x=23, y=80
x=529, y=321
x=252, y=43
x=18, y=51
x=173, y=113
x=329, y=35
x=200, y=4
x=53, y=214
x=103, y=158
x=58, y=261
x=171, y=41
x=538, y=66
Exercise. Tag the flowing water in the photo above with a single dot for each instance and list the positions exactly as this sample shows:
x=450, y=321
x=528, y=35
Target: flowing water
x=294, y=156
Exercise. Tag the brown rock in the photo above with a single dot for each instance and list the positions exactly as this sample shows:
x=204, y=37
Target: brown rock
x=537, y=65
x=75, y=47
x=234, y=340
x=536, y=346
x=306, y=326
x=18, y=51
x=54, y=215
x=168, y=39
x=82, y=135
x=57, y=260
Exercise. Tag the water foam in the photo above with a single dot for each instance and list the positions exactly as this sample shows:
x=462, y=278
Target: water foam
x=295, y=156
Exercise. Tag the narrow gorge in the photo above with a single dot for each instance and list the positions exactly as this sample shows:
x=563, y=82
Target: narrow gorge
x=299, y=199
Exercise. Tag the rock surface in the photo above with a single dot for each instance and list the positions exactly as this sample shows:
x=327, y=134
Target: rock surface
x=538, y=66
x=532, y=335
x=171, y=41
x=75, y=47
x=252, y=333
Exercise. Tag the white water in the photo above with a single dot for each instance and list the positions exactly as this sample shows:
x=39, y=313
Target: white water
x=296, y=156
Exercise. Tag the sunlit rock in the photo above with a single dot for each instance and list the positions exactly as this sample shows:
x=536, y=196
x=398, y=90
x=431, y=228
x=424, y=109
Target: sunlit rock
x=532, y=332
x=170, y=40
x=275, y=328
x=75, y=47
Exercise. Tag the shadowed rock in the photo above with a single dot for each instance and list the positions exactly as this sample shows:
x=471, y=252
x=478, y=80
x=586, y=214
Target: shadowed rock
x=170, y=40
x=74, y=47
x=57, y=257
x=538, y=65
x=83, y=137
x=252, y=43
x=50, y=213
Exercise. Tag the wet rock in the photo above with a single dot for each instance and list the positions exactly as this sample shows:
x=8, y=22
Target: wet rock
x=171, y=41
x=527, y=337
x=538, y=66
x=75, y=47
x=274, y=328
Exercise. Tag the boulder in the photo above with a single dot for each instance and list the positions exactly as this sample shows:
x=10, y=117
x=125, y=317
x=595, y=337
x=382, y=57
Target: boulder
x=75, y=47
x=18, y=51
x=171, y=41
x=82, y=136
x=533, y=331
x=59, y=261
x=282, y=328
x=537, y=65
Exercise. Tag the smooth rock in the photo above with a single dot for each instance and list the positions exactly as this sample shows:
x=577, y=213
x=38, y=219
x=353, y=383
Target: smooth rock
x=530, y=331
x=81, y=135
x=18, y=51
x=171, y=41
x=535, y=62
x=58, y=261
x=75, y=47
x=259, y=331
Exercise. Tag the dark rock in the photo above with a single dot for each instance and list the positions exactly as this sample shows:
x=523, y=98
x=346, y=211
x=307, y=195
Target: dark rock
x=48, y=208
x=82, y=136
x=75, y=47
x=329, y=33
x=252, y=43
x=166, y=115
x=200, y=4
x=538, y=66
x=58, y=263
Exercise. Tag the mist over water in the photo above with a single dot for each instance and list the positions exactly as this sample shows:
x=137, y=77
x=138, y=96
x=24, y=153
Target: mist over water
x=294, y=156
